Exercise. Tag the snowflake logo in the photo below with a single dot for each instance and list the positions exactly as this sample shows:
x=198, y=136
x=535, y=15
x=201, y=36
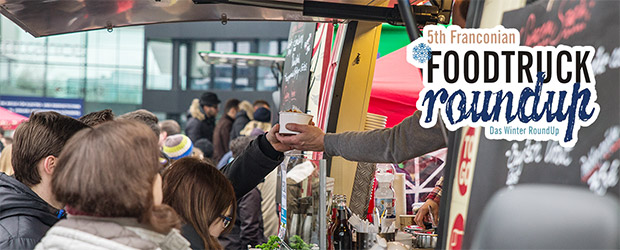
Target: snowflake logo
x=422, y=53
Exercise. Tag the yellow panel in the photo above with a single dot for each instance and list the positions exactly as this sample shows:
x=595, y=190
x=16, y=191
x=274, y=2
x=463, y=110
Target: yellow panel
x=355, y=97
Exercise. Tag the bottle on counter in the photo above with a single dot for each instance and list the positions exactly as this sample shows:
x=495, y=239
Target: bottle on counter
x=333, y=218
x=384, y=194
x=342, y=237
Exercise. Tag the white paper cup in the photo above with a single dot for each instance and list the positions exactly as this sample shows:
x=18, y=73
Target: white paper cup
x=292, y=117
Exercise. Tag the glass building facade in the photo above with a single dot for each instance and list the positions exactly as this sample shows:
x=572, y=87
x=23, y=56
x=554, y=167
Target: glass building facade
x=102, y=68
x=195, y=74
x=121, y=69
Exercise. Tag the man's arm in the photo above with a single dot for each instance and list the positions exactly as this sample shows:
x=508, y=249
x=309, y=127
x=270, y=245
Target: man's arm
x=257, y=160
x=431, y=205
x=404, y=141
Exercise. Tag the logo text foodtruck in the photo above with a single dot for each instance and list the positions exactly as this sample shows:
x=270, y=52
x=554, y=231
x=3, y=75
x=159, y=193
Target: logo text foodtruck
x=482, y=77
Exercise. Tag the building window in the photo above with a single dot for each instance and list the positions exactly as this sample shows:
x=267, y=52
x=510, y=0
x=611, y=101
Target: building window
x=223, y=72
x=159, y=65
x=200, y=73
x=244, y=79
x=183, y=65
x=97, y=66
x=233, y=77
x=266, y=80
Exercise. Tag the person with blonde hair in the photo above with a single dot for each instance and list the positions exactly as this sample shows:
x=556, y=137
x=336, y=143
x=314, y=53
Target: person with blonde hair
x=262, y=120
x=5, y=160
x=244, y=115
x=108, y=179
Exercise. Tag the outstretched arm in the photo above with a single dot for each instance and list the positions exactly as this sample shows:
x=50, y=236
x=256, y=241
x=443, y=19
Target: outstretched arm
x=260, y=157
x=404, y=141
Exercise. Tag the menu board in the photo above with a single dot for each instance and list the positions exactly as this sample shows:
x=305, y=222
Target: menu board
x=593, y=163
x=296, y=73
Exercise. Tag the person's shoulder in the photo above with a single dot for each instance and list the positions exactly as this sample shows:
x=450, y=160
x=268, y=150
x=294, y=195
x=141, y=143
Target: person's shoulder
x=192, y=121
x=21, y=232
x=18, y=243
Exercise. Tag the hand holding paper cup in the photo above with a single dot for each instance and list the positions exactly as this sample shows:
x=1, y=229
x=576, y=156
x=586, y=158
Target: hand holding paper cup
x=293, y=117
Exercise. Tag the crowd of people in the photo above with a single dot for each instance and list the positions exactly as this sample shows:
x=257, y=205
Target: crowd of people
x=130, y=181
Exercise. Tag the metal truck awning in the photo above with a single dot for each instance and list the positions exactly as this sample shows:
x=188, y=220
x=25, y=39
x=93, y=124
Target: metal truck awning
x=50, y=17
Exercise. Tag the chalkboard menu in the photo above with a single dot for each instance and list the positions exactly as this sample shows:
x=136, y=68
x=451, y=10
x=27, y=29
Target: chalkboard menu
x=296, y=74
x=593, y=163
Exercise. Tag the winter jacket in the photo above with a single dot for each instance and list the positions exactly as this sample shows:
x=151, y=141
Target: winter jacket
x=241, y=119
x=247, y=130
x=24, y=216
x=271, y=221
x=245, y=172
x=87, y=232
x=248, y=227
x=404, y=141
x=197, y=129
x=221, y=137
x=252, y=165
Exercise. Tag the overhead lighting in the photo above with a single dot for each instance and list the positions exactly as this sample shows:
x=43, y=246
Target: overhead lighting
x=250, y=59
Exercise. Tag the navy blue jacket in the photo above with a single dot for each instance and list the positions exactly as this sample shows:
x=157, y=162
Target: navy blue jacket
x=24, y=216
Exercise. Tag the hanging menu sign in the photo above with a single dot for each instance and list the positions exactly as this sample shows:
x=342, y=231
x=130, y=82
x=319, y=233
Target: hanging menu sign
x=296, y=75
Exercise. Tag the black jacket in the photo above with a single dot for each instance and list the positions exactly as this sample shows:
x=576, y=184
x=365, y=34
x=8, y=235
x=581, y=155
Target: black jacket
x=241, y=119
x=197, y=129
x=24, y=216
x=248, y=228
x=245, y=172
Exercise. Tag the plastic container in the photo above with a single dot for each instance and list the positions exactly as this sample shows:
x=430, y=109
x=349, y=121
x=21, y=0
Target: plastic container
x=293, y=117
x=384, y=194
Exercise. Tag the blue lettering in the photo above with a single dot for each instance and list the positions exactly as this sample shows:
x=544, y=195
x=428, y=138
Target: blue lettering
x=431, y=97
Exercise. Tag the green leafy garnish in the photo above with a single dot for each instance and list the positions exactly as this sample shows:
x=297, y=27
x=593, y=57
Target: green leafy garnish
x=272, y=244
x=298, y=243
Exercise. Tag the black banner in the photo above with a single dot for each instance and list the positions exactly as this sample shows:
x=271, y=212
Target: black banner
x=593, y=163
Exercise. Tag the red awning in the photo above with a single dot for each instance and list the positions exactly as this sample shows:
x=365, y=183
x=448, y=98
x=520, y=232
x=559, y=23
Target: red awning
x=10, y=120
x=395, y=87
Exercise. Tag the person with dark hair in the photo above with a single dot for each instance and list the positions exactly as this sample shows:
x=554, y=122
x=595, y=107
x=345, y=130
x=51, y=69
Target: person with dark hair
x=221, y=135
x=205, y=146
x=28, y=206
x=144, y=116
x=113, y=202
x=248, y=228
x=170, y=127
x=201, y=117
x=201, y=196
x=236, y=147
x=97, y=117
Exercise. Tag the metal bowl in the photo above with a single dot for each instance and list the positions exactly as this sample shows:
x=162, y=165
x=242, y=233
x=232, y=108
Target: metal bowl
x=424, y=240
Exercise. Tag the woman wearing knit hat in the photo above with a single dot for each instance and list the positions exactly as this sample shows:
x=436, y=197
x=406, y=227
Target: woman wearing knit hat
x=177, y=146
